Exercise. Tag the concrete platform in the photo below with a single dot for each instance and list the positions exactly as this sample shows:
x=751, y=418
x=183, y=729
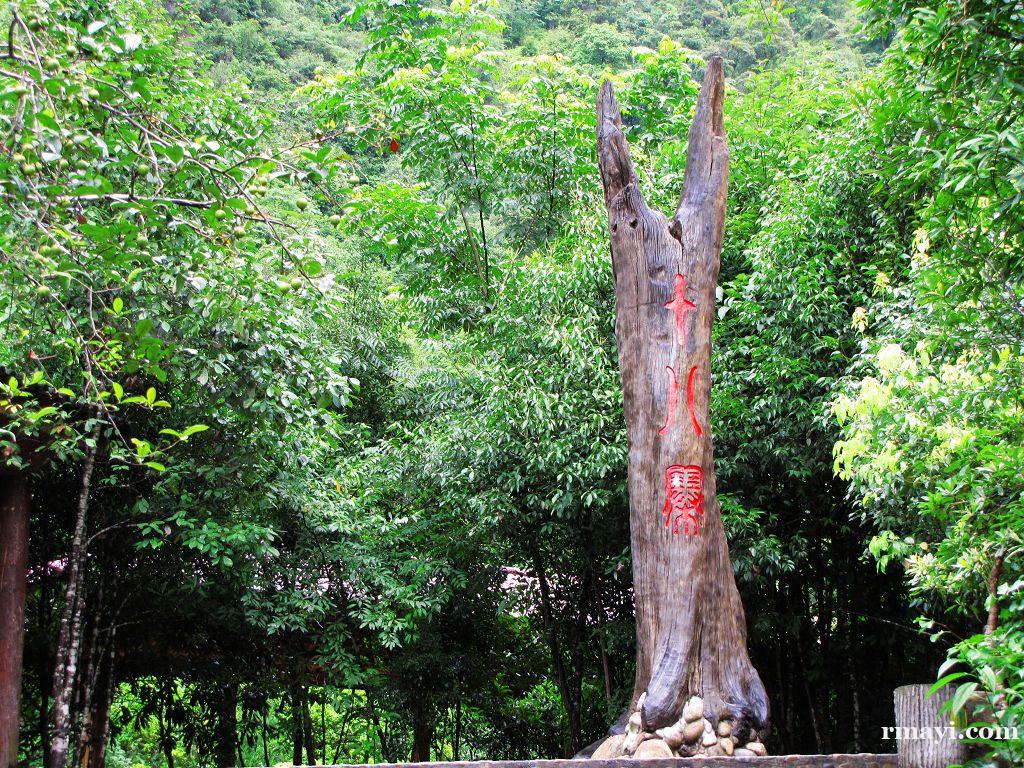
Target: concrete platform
x=862, y=760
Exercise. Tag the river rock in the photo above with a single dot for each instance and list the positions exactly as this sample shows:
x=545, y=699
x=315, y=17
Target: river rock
x=757, y=748
x=673, y=735
x=688, y=750
x=692, y=731
x=709, y=739
x=741, y=752
x=631, y=742
x=652, y=749
x=609, y=748
x=716, y=751
x=727, y=746
x=694, y=709
x=724, y=728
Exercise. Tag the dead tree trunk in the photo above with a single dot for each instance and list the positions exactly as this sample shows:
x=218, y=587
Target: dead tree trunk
x=14, y=508
x=696, y=690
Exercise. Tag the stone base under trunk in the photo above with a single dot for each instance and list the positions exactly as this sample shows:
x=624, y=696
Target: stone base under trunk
x=863, y=760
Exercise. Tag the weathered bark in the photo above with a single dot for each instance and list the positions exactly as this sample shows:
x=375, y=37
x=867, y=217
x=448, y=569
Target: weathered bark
x=68, y=640
x=14, y=513
x=691, y=632
x=915, y=709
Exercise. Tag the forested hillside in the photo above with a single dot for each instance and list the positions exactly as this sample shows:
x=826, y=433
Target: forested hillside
x=310, y=395
x=279, y=44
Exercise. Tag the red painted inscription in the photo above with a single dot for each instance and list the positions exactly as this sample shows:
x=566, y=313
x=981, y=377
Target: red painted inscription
x=673, y=399
x=680, y=305
x=684, y=499
x=691, y=381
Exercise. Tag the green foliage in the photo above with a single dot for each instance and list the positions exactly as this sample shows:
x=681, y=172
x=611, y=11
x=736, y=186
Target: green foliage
x=347, y=361
x=748, y=34
x=931, y=422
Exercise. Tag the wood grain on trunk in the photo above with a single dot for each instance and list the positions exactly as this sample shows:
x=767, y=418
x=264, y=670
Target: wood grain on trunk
x=691, y=632
x=915, y=710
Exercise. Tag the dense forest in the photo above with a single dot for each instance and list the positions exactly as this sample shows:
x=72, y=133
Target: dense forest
x=308, y=373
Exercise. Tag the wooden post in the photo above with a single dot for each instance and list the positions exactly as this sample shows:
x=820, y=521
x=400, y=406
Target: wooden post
x=915, y=711
x=14, y=513
x=696, y=691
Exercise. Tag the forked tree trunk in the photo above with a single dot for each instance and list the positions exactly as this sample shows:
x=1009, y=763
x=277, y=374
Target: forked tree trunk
x=696, y=690
x=14, y=509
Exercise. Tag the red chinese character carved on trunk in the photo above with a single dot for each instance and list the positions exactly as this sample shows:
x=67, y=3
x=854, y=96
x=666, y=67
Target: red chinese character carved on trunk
x=680, y=305
x=691, y=382
x=684, y=499
x=673, y=399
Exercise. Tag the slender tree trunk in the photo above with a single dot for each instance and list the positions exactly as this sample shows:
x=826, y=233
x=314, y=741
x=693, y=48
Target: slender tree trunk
x=86, y=693
x=165, y=728
x=68, y=641
x=93, y=684
x=992, y=622
x=557, y=658
x=812, y=703
x=599, y=634
x=44, y=667
x=97, y=747
x=691, y=631
x=263, y=733
x=422, y=733
x=382, y=736
x=169, y=751
x=227, y=725
x=457, y=741
x=93, y=693
x=341, y=736
x=307, y=728
x=297, y=739
x=15, y=500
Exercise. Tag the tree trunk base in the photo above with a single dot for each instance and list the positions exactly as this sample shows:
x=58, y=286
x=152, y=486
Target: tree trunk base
x=694, y=734
x=775, y=761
